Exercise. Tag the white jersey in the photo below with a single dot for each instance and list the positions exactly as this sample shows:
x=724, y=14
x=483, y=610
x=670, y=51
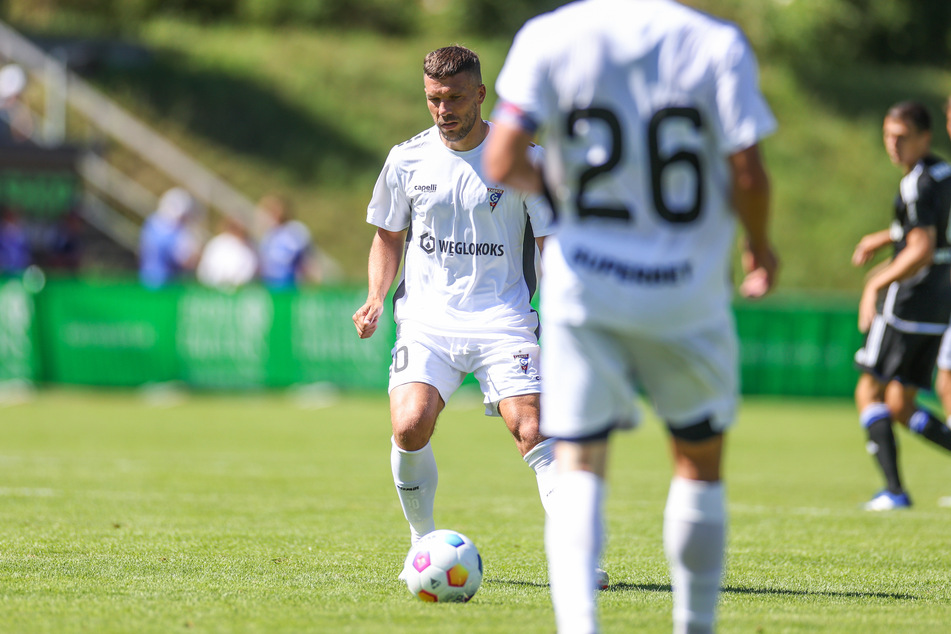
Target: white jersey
x=640, y=112
x=227, y=261
x=469, y=260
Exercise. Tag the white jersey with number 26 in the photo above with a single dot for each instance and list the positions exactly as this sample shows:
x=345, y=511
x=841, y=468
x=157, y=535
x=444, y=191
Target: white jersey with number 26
x=469, y=263
x=639, y=114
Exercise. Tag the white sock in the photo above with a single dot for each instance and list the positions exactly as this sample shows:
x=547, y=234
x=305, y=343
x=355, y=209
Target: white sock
x=573, y=536
x=541, y=458
x=415, y=476
x=694, y=539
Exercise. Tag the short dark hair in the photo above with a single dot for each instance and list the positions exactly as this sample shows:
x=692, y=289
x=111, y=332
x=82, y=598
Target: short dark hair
x=913, y=112
x=452, y=60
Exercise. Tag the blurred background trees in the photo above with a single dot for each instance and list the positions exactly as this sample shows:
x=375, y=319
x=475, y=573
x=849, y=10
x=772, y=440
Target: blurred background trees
x=907, y=31
x=307, y=96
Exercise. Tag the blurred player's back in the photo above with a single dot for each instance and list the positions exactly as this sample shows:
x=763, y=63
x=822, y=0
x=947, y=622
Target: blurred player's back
x=649, y=115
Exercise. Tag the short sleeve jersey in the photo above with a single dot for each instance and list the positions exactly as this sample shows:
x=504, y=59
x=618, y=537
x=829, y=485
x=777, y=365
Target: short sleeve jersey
x=163, y=248
x=469, y=258
x=640, y=105
x=282, y=251
x=14, y=248
x=922, y=303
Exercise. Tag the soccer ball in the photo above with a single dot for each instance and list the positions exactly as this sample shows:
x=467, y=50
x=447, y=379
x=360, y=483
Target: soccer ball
x=443, y=566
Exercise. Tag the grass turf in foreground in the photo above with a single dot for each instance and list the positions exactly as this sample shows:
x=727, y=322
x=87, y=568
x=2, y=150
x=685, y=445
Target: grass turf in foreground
x=252, y=514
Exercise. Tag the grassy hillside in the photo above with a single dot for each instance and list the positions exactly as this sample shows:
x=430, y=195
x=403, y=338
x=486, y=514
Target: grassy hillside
x=313, y=114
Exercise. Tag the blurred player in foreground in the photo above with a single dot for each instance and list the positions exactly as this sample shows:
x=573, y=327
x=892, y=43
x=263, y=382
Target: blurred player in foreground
x=902, y=340
x=463, y=305
x=943, y=377
x=651, y=114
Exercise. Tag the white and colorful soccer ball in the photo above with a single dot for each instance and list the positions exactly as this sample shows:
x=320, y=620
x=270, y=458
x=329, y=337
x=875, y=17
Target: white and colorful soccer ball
x=443, y=566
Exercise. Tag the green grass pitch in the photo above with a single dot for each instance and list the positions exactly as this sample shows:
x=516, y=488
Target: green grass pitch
x=121, y=513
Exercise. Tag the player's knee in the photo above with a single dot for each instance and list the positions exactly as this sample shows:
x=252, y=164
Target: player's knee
x=698, y=450
x=526, y=429
x=412, y=432
x=521, y=416
x=900, y=408
x=901, y=416
x=943, y=384
x=410, y=440
x=700, y=470
x=867, y=390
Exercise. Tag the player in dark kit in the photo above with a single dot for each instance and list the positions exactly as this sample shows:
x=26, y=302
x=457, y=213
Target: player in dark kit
x=903, y=337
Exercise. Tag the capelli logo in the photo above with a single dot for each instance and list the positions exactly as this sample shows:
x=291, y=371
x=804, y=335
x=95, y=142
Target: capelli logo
x=427, y=242
x=430, y=189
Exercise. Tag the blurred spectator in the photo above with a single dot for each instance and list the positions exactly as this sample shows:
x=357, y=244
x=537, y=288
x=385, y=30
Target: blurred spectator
x=229, y=259
x=15, y=254
x=286, y=250
x=167, y=247
x=62, y=243
x=15, y=116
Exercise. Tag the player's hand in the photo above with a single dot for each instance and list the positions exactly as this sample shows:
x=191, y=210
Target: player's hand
x=867, y=308
x=761, y=266
x=863, y=252
x=367, y=318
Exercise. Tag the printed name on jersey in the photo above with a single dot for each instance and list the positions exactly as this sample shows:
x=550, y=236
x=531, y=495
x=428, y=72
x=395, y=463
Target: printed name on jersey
x=428, y=243
x=494, y=196
x=669, y=275
x=471, y=248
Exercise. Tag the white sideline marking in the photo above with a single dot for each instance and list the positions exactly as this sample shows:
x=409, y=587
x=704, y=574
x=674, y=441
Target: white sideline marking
x=24, y=492
x=918, y=511
x=754, y=509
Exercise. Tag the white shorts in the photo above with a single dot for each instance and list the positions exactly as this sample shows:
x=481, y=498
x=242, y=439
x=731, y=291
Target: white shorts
x=592, y=377
x=505, y=365
x=944, y=352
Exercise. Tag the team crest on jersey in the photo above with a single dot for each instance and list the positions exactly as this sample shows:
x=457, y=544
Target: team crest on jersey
x=494, y=196
x=523, y=361
x=427, y=242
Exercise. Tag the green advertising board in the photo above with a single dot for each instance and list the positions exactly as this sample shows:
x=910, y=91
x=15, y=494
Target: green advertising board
x=39, y=182
x=797, y=348
x=223, y=340
x=123, y=334
x=101, y=333
x=39, y=194
x=117, y=333
x=17, y=347
x=323, y=346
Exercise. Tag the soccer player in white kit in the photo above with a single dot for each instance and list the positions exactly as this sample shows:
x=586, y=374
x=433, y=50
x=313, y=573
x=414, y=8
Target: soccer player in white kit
x=463, y=306
x=651, y=115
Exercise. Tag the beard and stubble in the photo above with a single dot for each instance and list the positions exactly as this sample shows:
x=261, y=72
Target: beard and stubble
x=460, y=131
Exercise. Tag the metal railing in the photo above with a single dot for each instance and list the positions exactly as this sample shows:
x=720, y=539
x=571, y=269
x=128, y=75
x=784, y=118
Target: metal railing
x=65, y=90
